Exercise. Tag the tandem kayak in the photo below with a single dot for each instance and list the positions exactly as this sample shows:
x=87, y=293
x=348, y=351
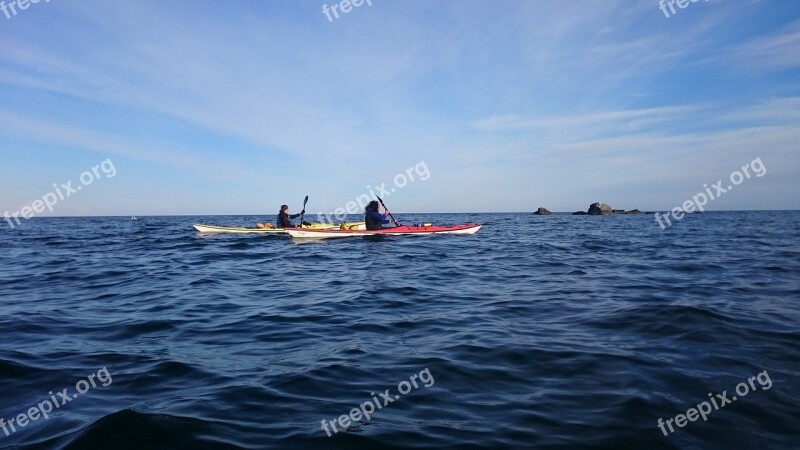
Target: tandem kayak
x=402, y=230
x=247, y=230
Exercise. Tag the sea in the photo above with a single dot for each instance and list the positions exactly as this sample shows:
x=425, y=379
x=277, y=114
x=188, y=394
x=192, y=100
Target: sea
x=538, y=332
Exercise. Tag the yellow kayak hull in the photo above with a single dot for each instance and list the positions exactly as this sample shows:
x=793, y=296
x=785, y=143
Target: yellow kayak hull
x=248, y=230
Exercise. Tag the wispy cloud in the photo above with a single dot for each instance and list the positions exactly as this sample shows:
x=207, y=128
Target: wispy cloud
x=776, y=51
x=213, y=166
x=624, y=120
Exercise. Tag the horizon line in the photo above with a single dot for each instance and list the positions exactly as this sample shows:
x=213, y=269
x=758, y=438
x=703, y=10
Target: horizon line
x=355, y=214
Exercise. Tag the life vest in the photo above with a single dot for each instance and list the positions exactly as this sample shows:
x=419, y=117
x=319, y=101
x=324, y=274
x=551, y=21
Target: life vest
x=373, y=219
x=283, y=220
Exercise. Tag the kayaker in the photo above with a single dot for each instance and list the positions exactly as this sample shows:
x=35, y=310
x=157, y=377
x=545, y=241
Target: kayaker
x=285, y=219
x=373, y=217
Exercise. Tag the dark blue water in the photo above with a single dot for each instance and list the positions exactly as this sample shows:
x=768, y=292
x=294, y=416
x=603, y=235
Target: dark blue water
x=537, y=332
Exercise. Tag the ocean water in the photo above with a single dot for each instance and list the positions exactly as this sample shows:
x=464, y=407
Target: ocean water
x=537, y=332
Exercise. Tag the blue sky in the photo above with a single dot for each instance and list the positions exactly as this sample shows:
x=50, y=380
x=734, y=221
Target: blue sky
x=209, y=107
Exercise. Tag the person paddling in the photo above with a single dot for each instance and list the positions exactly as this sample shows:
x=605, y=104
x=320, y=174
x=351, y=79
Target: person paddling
x=285, y=219
x=373, y=217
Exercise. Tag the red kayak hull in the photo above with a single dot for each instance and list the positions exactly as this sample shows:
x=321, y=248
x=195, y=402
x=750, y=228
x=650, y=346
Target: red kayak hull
x=402, y=230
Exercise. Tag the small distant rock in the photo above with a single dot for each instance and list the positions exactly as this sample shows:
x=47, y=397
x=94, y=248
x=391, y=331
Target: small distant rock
x=599, y=209
x=633, y=211
x=618, y=211
x=542, y=212
x=579, y=213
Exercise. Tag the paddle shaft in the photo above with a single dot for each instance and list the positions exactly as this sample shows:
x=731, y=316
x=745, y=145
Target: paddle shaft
x=387, y=210
x=304, y=208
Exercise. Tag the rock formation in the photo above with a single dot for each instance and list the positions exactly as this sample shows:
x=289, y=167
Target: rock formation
x=599, y=209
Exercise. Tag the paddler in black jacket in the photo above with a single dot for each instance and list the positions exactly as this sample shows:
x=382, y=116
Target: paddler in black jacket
x=373, y=217
x=285, y=219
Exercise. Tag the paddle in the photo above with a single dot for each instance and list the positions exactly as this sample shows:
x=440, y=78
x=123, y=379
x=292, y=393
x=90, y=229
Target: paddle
x=387, y=210
x=304, y=208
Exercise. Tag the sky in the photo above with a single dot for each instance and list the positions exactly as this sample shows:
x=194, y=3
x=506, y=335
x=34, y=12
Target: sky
x=235, y=107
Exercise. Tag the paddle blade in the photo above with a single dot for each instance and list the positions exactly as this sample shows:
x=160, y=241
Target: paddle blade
x=302, y=215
